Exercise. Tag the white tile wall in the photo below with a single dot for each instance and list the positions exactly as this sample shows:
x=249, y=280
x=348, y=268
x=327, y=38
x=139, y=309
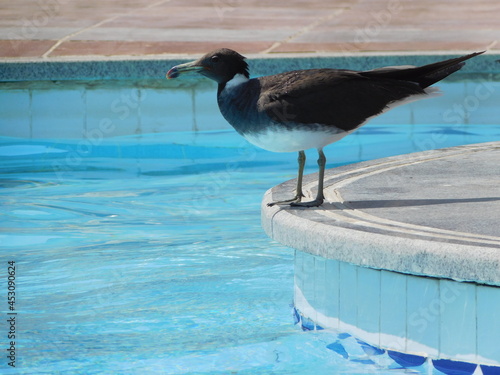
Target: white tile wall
x=207, y=114
x=348, y=294
x=423, y=309
x=308, y=281
x=320, y=287
x=15, y=113
x=481, y=102
x=426, y=316
x=58, y=111
x=166, y=110
x=488, y=322
x=332, y=281
x=440, y=109
x=393, y=310
x=52, y=117
x=113, y=112
x=299, y=270
x=458, y=332
x=368, y=301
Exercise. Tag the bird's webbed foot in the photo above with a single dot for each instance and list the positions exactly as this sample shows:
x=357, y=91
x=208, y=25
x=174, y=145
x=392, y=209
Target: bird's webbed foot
x=315, y=203
x=291, y=202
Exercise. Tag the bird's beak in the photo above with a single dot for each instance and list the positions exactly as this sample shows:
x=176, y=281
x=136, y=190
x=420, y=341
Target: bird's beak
x=177, y=70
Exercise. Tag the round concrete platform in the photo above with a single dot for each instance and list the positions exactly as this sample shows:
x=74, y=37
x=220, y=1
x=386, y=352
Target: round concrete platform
x=433, y=213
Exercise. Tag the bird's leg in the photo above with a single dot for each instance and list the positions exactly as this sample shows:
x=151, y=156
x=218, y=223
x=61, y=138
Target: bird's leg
x=318, y=201
x=302, y=162
x=298, y=195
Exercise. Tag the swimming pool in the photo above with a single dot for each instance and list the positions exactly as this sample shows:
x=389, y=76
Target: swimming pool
x=139, y=252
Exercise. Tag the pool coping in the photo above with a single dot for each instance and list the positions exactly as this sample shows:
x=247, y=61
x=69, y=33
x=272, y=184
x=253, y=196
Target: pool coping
x=338, y=231
x=155, y=67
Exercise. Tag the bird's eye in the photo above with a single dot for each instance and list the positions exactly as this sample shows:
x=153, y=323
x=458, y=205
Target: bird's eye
x=215, y=58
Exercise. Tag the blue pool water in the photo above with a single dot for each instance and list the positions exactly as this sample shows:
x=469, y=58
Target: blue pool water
x=144, y=254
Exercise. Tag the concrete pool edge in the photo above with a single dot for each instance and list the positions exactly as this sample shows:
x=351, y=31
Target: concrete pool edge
x=391, y=284
x=396, y=246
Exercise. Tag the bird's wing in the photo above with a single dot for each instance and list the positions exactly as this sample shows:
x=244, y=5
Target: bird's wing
x=340, y=98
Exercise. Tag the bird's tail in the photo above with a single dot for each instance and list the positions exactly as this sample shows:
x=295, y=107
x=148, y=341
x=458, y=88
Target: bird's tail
x=423, y=75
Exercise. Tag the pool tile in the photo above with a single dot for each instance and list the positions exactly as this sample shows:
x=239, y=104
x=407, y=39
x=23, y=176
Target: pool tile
x=406, y=360
x=166, y=111
x=206, y=118
x=15, y=113
x=348, y=290
x=423, y=315
x=490, y=370
x=382, y=46
x=113, y=112
x=332, y=280
x=319, y=284
x=24, y=47
x=488, y=323
x=308, y=281
x=458, y=319
x=439, y=109
x=393, y=310
x=298, y=264
x=58, y=113
x=481, y=102
x=134, y=48
x=396, y=116
x=368, y=301
x=454, y=367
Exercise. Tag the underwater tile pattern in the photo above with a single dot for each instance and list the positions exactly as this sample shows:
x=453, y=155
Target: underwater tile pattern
x=373, y=357
x=134, y=108
x=449, y=322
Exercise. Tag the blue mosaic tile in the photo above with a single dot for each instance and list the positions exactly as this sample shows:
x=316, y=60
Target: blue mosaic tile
x=370, y=349
x=406, y=360
x=296, y=316
x=343, y=336
x=307, y=324
x=363, y=361
x=356, y=350
x=454, y=367
x=338, y=348
x=490, y=370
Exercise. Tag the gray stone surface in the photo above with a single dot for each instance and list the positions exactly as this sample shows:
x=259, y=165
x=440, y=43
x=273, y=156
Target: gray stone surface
x=434, y=213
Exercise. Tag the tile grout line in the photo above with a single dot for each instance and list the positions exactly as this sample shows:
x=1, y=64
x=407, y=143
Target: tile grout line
x=98, y=24
x=303, y=30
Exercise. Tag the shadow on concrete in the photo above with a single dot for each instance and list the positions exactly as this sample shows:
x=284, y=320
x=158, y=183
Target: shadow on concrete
x=414, y=202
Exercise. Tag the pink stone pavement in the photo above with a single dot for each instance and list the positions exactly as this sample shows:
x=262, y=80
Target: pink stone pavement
x=40, y=29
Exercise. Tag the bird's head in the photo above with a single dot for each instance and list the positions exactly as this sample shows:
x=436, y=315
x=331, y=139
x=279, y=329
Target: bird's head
x=220, y=65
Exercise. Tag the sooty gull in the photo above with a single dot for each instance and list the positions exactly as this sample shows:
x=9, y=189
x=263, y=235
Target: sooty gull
x=302, y=109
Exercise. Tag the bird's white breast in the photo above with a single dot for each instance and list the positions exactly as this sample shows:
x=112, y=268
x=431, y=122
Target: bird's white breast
x=291, y=140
